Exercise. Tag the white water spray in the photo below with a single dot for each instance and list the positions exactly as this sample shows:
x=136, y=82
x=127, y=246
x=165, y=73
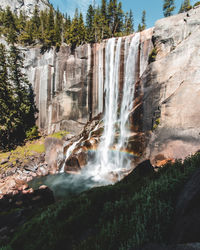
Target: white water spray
x=100, y=79
x=69, y=152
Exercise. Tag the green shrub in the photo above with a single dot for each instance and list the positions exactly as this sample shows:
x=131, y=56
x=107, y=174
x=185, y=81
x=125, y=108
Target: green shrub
x=156, y=123
x=32, y=133
x=152, y=55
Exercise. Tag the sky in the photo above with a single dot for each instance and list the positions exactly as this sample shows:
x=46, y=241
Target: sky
x=153, y=8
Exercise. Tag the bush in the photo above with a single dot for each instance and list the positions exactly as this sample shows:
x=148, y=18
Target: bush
x=32, y=133
x=152, y=55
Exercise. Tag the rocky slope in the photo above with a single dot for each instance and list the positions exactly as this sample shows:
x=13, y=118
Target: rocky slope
x=26, y=6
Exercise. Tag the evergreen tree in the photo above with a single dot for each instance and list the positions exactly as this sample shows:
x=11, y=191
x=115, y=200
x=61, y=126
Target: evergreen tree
x=118, y=20
x=168, y=7
x=26, y=36
x=35, y=22
x=10, y=31
x=82, y=30
x=58, y=28
x=142, y=26
x=129, y=26
x=73, y=36
x=98, y=25
x=90, y=24
x=185, y=6
x=6, y=101
x=43, y=26
x=66, y=29
x=50, y=31
x=21, y=21
x=24, y=106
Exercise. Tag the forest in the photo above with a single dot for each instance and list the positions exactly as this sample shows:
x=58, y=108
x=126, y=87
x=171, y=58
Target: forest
x=52, y=28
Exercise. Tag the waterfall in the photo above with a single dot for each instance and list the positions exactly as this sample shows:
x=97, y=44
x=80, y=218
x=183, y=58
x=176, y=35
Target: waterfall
x=110, y=159
x=128, y=90
x=109, y=156
x=69, y=152
x=100, y=79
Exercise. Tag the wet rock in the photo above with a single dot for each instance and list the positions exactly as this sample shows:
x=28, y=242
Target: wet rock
x=82, y=158
x=72, y=164
x=31, y=168
x=4, y=161
x=68, y=137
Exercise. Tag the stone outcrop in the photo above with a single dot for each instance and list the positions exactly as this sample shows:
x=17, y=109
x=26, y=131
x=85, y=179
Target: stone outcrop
x=171, y=87
x=61, y=83
x=26, y=6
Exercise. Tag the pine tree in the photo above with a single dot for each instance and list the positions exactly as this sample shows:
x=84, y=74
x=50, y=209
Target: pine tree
x=35, y=22
x=26, y=36
x=24, y=106
x=50, y=31
x=10, y=31
x=118, y=23
x=98, y=25
x=90, y=24
x=6, y=101
x=82, y=30
x=66, y=31
x=185, y=6
x=58, y=28
x=168, y=7
x=129, y=26
x=73, y=36
x=43, y=26
x=21, y=21
x=142, y=26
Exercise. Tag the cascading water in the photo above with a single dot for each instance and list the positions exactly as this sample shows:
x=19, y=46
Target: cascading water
x=100, y=79
x=69, y=152
x=128, y=94
x=109, y=157
x=109, y=160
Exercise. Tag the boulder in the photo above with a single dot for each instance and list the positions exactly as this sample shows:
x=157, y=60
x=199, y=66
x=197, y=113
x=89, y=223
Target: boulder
x=54, y=154
x=72, y=164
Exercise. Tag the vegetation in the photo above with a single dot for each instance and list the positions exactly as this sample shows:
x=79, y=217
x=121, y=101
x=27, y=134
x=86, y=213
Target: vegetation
x=51, y=28
x=168, y=7
x=142, y=26
x=17, y=113
x=34, y=146
x=152, y=55
x=185, y=6
x=196, y=4
x=133, y=212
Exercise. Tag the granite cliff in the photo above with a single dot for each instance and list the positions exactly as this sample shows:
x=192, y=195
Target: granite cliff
x=26, y=6
x=69, y=86
x=68, y=91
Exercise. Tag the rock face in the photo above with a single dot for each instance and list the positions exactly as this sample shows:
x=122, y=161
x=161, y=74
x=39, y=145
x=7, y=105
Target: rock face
x=165, y=119
x=171, y=88
x=61, y=82
x=26, y=6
